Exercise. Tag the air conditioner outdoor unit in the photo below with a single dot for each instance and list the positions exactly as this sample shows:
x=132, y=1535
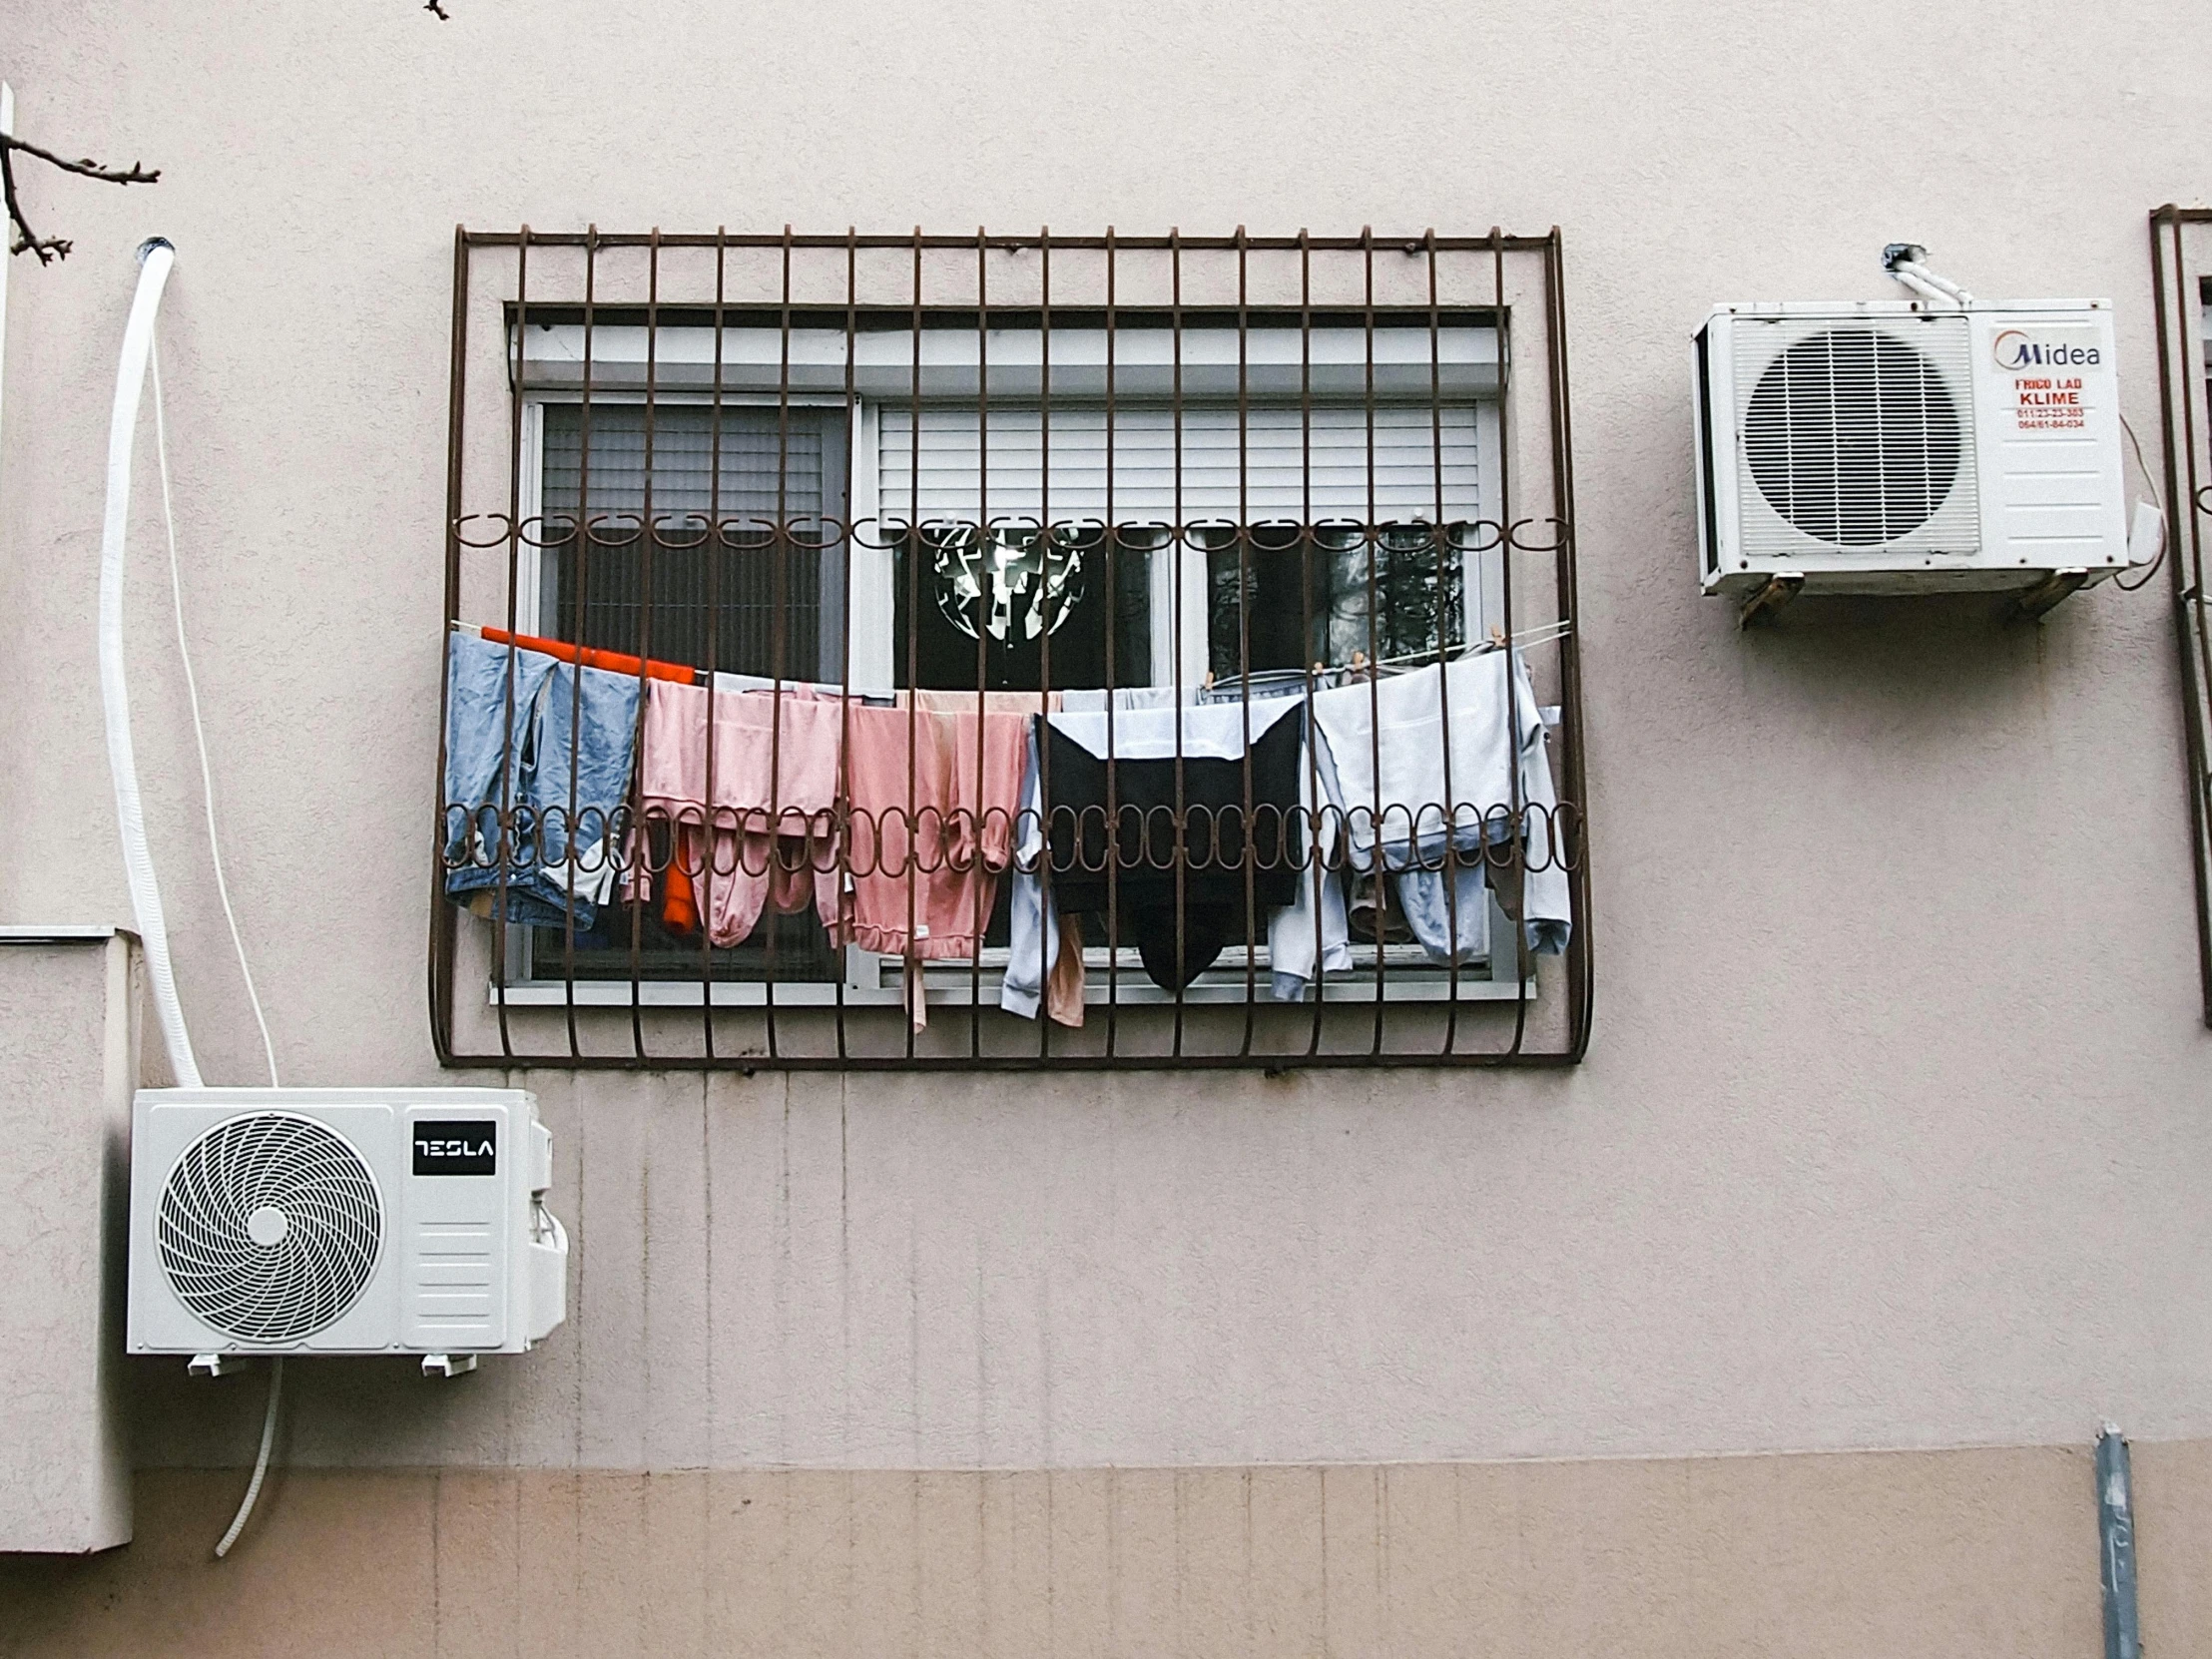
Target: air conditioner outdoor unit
x=1894, y=447
x=343, y=1221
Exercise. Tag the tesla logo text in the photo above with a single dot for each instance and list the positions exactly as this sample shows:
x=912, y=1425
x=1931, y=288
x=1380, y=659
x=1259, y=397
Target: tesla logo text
x=455, y=1147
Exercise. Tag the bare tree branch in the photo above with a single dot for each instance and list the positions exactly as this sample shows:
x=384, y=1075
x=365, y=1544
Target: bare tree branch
x=21, y=238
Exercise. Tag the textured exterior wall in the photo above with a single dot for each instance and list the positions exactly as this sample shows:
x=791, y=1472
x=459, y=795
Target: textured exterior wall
x=1893, y=1131
x=68, y=1061
x=1832, y=1556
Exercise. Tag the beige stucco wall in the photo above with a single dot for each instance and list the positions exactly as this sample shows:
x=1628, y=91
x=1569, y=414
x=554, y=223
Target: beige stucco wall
x=68, y=1064
x=1826, y=1556
x=1893, y=1132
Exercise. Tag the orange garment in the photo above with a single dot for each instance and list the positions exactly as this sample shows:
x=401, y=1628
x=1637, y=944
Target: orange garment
x=614, y=662
x=679, y=900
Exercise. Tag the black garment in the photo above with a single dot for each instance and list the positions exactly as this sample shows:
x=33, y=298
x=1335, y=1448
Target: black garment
x=1221, y=848
x=1207, y=930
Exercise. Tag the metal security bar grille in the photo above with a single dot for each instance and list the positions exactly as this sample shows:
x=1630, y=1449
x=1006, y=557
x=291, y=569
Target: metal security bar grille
x=1009, y=652
x=2181, y=275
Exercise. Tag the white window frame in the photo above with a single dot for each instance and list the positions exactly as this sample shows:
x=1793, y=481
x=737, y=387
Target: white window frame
x=874, y=980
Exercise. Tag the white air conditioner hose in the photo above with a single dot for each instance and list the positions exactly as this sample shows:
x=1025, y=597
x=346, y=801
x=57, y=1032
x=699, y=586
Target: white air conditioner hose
x=155, y=259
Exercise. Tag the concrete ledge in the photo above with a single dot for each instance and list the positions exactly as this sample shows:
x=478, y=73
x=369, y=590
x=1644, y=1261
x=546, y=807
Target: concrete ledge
x=1861, y=1554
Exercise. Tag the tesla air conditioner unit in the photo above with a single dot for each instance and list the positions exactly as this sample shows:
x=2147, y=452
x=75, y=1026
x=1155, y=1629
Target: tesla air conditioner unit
x=1888, y=447
x=341, y=1220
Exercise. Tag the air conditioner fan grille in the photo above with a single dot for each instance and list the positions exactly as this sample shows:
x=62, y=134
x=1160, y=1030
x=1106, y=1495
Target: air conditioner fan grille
x=1853, y=437
x=270, y=1227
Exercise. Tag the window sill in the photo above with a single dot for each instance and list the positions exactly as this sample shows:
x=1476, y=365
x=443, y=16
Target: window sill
x=953, y=987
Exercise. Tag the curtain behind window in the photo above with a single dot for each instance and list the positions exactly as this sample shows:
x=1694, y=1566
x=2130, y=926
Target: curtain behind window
x=735, y=575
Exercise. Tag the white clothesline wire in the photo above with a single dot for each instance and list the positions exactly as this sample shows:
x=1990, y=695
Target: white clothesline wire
x=1542, y=634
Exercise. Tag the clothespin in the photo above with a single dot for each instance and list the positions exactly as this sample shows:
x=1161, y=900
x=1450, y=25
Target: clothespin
x=1209, y=685
x=1497, y=636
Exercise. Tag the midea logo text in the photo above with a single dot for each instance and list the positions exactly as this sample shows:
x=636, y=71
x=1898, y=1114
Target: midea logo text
x=2015, y=350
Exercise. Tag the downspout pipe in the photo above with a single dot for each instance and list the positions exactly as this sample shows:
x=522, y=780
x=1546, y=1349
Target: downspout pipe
x=2123, y=1638
x=155, y=257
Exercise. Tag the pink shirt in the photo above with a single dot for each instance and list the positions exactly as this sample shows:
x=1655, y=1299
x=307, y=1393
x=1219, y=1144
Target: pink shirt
x=770, y=829
x=932, y=799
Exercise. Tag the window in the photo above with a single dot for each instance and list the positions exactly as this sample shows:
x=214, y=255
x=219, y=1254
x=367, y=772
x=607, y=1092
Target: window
x=1197, y=505
x=720, y=578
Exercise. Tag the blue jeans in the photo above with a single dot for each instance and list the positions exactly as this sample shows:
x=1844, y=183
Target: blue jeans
x=560, y=852
x=1429, y=897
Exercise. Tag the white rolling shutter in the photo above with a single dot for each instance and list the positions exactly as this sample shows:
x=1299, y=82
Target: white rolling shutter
x=1276, y=483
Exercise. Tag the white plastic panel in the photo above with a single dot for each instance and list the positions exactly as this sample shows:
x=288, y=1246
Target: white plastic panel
x=2050, y=438
x=453, y=1280
x=459, y=1247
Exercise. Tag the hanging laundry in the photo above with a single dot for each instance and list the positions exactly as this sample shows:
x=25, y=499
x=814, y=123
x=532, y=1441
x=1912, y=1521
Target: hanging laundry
x=679, y=901
x=1311, y=936
x=1185, y=898
x=1044, y=957
x=1406, y=794
x=929, y=824
x=1122, y=698
x=963, y=701
x=1448, y=914
x=553, y=741
x=769, y=834
x=491, y=699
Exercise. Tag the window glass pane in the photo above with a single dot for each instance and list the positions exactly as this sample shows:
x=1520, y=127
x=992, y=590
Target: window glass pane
x=745, y=574
x=1397, y=594
x=743, y=577
x=1208, y=467
x=999, y=601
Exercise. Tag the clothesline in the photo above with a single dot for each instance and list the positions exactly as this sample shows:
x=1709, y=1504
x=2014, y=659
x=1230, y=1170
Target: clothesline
x=920, y=818
x=614, y=662
x=1542, y=635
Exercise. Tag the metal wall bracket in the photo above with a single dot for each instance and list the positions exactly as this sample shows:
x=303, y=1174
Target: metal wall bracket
x=1762, y=606
x=216, y=1365
x=448, y=1364
x=2038, y=600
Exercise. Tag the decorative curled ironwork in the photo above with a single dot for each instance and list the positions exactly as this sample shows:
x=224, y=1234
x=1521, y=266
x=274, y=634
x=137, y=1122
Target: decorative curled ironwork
x=917, y=487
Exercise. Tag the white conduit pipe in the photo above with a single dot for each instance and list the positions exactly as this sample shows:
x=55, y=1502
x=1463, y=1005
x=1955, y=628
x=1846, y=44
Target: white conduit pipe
x=1944, y=283
x=155, y=259
x=1929, y=285
x=261, y=1463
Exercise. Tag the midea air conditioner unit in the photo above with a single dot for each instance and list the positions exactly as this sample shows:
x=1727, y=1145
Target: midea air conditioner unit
x=1897, y=447
x=343, y=1221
